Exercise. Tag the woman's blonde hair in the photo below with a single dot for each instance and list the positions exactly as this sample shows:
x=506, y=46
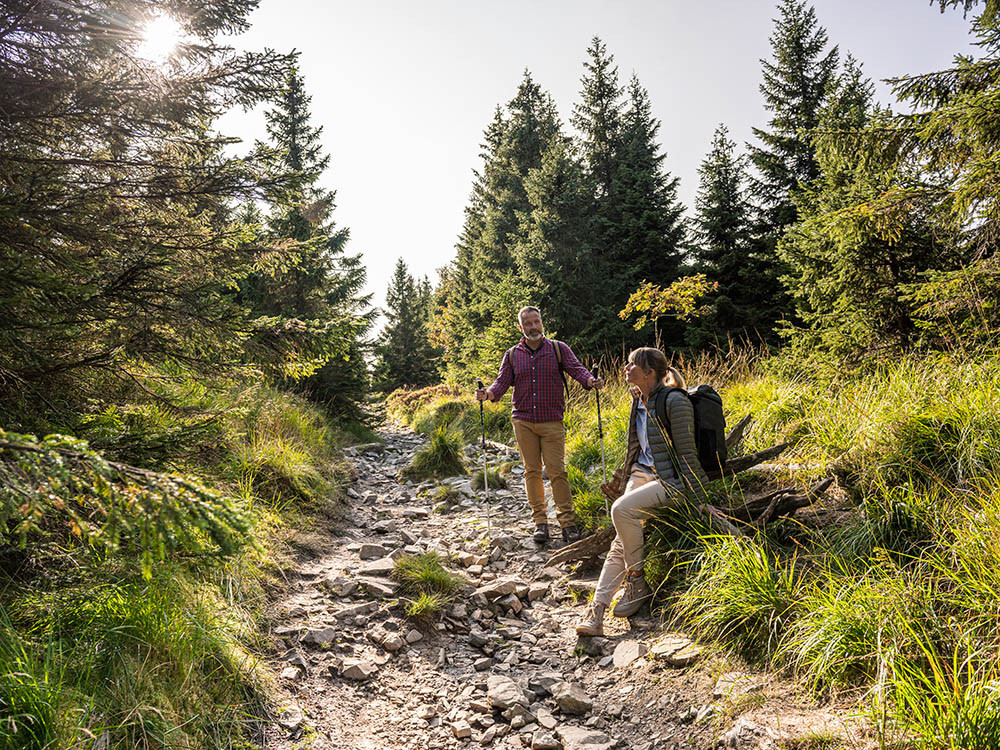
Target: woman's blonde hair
x=650, y=358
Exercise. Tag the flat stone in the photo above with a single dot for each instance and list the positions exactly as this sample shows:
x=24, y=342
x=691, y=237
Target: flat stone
x=380, y=588
x=627, y=652
x=502, y=693
x=387, y=526
x=358, y=610
x=537, y=591
x=511, y=603
x=358, y=669
x=340, y=585
x=543, y=740
x=414, y=635
x=416, y=513
x=290, y=673
x=461, y=730
x=291, y=718
x=545, y=718
x=676, y=650
x=372, y=551
x=496, y=589
x=572, y=698
x=481, y=665
x=320, y=637
x=489, y=735
x=381, y=567
x=580, y=738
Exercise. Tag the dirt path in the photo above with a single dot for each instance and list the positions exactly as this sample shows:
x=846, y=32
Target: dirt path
x=503, y=668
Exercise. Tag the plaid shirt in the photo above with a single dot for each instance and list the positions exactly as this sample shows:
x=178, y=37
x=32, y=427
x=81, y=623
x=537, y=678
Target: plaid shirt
x=538, y=389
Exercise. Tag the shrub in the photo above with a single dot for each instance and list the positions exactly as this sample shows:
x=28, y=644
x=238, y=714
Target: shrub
x=496, y=480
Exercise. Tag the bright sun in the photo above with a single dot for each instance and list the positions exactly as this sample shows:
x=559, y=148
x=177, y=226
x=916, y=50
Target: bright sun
x=159, y=39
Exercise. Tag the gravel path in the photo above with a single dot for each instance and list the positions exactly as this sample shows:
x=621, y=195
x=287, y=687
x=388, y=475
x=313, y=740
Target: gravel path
x=502, y=668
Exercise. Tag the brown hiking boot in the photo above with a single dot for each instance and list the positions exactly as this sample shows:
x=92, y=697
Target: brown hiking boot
x=541, y=535
x=636, y=594
x=592, y=622
x=570, y=534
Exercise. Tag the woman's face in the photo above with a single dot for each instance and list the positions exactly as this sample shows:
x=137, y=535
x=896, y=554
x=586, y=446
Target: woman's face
x=638, y=376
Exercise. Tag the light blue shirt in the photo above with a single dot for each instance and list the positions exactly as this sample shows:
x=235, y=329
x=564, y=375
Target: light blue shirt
x=645, y=454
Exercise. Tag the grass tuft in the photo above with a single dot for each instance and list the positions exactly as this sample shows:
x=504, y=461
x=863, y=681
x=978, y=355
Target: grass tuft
x=440, y=458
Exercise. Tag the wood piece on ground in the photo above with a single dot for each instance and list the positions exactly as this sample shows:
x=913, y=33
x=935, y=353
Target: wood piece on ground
x=735, y=436
x=742, y=463
x=594, y=544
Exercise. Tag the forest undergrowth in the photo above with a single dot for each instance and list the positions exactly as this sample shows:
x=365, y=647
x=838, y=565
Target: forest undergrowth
x=132, y=603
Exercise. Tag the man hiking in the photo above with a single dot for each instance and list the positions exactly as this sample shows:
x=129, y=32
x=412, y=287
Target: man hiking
x=534, y=367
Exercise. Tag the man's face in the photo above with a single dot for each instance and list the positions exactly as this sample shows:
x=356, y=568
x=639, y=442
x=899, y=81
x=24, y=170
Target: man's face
x=531, y=326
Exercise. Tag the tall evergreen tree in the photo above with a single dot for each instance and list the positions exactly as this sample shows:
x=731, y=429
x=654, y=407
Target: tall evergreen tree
x=850, y=280
x=487, y=282
x=795, y=82
x=651, y=229
x=405, y=357
x=316, y=280
x=118, y=245
x=724, y=244
x=636, y=225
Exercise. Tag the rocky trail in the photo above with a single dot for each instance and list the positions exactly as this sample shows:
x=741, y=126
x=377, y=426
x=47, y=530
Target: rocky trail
x=502, y=666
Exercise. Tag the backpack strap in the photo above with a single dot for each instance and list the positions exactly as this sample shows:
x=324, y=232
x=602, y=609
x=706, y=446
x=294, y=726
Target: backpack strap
x=562, y=374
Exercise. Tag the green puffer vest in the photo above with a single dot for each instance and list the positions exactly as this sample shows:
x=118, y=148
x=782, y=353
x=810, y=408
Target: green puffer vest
x=680, y=413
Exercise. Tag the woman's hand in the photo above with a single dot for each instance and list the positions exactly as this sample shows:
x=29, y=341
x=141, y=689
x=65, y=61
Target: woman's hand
x=636, y=393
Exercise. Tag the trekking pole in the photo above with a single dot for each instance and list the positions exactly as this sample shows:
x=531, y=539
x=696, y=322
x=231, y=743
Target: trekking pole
x=600, y=431
x=486, y=481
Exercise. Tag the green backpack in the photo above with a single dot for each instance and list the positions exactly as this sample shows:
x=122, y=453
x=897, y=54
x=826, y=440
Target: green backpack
x=709, y=425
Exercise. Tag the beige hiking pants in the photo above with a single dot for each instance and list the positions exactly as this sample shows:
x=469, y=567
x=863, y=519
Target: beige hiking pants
x=642, y=493
x=545, y=442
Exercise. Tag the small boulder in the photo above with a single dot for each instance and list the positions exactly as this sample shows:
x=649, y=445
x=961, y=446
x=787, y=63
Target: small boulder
x=572, y=698
x=627, y=652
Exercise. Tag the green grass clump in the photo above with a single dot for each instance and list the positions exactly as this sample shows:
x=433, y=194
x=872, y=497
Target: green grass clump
x=496, y=480
x=425, y=573
x=440, y=458
x=425, y=579
x=425, y=606
x=742, y=594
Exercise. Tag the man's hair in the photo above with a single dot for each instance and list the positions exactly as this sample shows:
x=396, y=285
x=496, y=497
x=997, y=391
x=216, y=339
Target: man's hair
x=527, y=309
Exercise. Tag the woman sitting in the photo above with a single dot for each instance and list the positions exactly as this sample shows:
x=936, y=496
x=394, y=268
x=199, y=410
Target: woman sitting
x=662, y=472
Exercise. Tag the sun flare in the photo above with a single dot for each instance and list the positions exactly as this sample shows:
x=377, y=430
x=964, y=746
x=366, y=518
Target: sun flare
x=160, y=38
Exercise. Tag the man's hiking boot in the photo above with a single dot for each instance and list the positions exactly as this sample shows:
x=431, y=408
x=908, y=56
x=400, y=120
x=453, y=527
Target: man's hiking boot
x=592, y=622
x=636, y=594
x=571, y=534
x=541, y=535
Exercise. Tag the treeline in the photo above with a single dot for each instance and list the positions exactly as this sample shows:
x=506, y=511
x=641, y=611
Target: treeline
x=131, y=241
x=845, y=229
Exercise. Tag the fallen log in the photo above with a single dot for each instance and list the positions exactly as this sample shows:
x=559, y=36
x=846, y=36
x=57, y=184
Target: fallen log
x=735, y=436
x=589, y=546
x=783, y=502
x=742, y=463
x=755, y=513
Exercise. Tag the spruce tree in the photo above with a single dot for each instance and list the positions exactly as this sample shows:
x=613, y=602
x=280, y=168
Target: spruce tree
x=795, y=82
x=315, y=280
x=405, y=357
x=651, y=230
x=118, y=241
x=486, y=282
x=849, y=280
x=724, y=244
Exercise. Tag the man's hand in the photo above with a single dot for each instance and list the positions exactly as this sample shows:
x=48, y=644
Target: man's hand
x=595, y=382
x=483, y=394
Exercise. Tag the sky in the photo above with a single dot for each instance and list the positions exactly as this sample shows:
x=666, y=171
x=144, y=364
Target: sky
x=404, y=88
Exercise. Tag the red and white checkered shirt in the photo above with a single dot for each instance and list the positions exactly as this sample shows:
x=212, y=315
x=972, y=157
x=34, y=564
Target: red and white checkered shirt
x=538, y=389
